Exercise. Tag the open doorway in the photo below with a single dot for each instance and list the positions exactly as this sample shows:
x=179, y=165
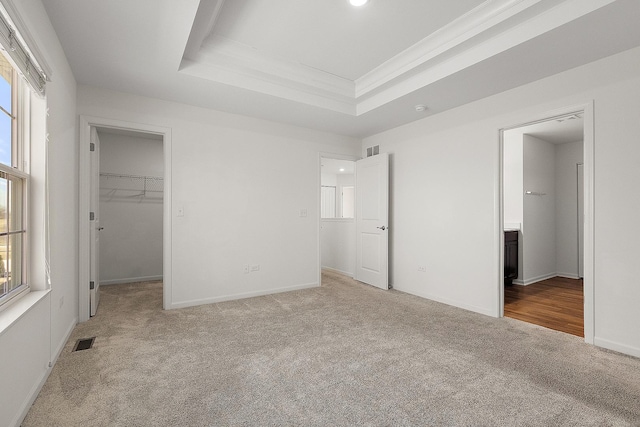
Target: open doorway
x=131, y=184
x=543, y=196
x=124, y=204
x=337, y=218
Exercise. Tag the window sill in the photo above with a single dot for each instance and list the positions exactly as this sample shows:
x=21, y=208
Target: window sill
x=16, y=309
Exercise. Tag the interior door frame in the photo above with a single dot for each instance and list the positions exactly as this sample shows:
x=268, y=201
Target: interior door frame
x=326, y=155
x=587, y=109
x=86, y=123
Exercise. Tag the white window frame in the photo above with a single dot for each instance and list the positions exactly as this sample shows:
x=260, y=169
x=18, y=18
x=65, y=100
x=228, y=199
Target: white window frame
x=20, y=149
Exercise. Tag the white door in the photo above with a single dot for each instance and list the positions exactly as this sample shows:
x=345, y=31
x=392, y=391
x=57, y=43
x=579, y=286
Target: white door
x=372, y=220
x=580, y=220
x=94, y=224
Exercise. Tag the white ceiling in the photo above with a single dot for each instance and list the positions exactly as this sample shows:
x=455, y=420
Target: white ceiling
x=557, y=131
x=326, y=65
x=560, y=130
x=338, y=166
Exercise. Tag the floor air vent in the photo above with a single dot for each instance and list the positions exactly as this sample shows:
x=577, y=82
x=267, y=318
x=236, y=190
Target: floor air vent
x=84, y=344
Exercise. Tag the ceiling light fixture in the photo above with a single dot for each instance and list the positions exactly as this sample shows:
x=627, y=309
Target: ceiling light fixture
x=341, y=169
x=420, y=108
x=358, y=2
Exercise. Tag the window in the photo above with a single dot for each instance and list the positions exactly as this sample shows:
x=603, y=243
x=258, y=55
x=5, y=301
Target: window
x=13, y=184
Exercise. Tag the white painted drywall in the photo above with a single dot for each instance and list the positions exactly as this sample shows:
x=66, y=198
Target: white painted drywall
x=338, y=245
x=131, y=239
x=539, y=223
x=445, y=189
x=568, y=156
x=37, y=337
x=513, y=158
x=242, y=184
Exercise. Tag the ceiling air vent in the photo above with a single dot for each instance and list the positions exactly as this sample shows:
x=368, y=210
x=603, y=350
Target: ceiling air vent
x=372, y=151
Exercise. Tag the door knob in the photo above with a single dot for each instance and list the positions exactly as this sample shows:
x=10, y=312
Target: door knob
x=382, y=228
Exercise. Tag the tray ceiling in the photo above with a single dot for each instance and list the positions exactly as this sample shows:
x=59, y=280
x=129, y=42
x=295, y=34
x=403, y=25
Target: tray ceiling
x=327, y=65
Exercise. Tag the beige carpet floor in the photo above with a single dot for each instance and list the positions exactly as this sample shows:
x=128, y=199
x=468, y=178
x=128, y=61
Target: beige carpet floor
x=338, y=355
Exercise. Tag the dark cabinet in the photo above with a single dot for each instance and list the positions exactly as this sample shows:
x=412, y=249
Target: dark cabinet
x=510, y=256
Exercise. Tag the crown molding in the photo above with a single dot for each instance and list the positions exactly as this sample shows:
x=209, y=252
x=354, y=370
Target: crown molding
x=205, y=20
x=491, y=28
x=483, y=17
x=541, y=23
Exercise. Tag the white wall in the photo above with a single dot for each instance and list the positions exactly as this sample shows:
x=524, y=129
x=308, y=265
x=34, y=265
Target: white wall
x=539, y=224
x=445, y=191
x=242, y=183
x=131, y=239
x=513, y=175
x=37, y=337
x=338, y=245
x=568, y=155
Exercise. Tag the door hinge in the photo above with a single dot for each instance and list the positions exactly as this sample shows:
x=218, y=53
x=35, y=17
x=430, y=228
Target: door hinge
x=92, y=216
x=92, y=285
x=92, y=146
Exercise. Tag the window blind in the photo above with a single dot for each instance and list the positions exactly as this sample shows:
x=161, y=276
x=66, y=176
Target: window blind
x=13, y=43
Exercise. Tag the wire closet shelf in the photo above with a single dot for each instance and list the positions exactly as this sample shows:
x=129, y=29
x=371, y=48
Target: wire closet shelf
x=131, y=186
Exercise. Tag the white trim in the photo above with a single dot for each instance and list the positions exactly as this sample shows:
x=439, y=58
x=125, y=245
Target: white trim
x=491, y=28
x=568, y=276
x=448, y=301
x=56, y=354
x=615, y=346
x=536, y=279
x=232, y=297
x=465, y=27
x=130, y=280
x=86, y=122
x=35, y=390
x=587, y=110
x=16, y=308
x=346, y=273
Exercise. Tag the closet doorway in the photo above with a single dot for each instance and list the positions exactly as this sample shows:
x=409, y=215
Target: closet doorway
x=124, y=208
x=543, y=205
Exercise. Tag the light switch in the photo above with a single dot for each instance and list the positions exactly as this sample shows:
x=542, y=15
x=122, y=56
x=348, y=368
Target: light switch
x=303, y=213
x=180, y=211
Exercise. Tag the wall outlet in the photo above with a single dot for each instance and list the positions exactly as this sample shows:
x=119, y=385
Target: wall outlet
x=422, y=268
x=303, y=213
x=245, y=269
x=255, y=267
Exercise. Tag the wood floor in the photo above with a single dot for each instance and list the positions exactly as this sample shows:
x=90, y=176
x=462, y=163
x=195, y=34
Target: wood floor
x=556, y=303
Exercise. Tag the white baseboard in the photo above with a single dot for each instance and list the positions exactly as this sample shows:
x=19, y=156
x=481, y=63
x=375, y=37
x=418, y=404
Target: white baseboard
x=203, y=301
x=130, y=280
x=63, y=342
x=346, y=273
x=568, y=275
x=33, y=393
x=620, y=348
x=537, y=279
x=453, y=303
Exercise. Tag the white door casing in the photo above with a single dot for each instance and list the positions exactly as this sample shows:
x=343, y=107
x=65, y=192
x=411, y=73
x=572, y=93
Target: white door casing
x=580, y=172
x=372, y=220
x=84, y=203
x=94, y=244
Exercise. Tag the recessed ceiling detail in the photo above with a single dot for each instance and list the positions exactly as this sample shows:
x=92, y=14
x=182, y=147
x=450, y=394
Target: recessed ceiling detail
x=221, y=49
x=327, y=65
